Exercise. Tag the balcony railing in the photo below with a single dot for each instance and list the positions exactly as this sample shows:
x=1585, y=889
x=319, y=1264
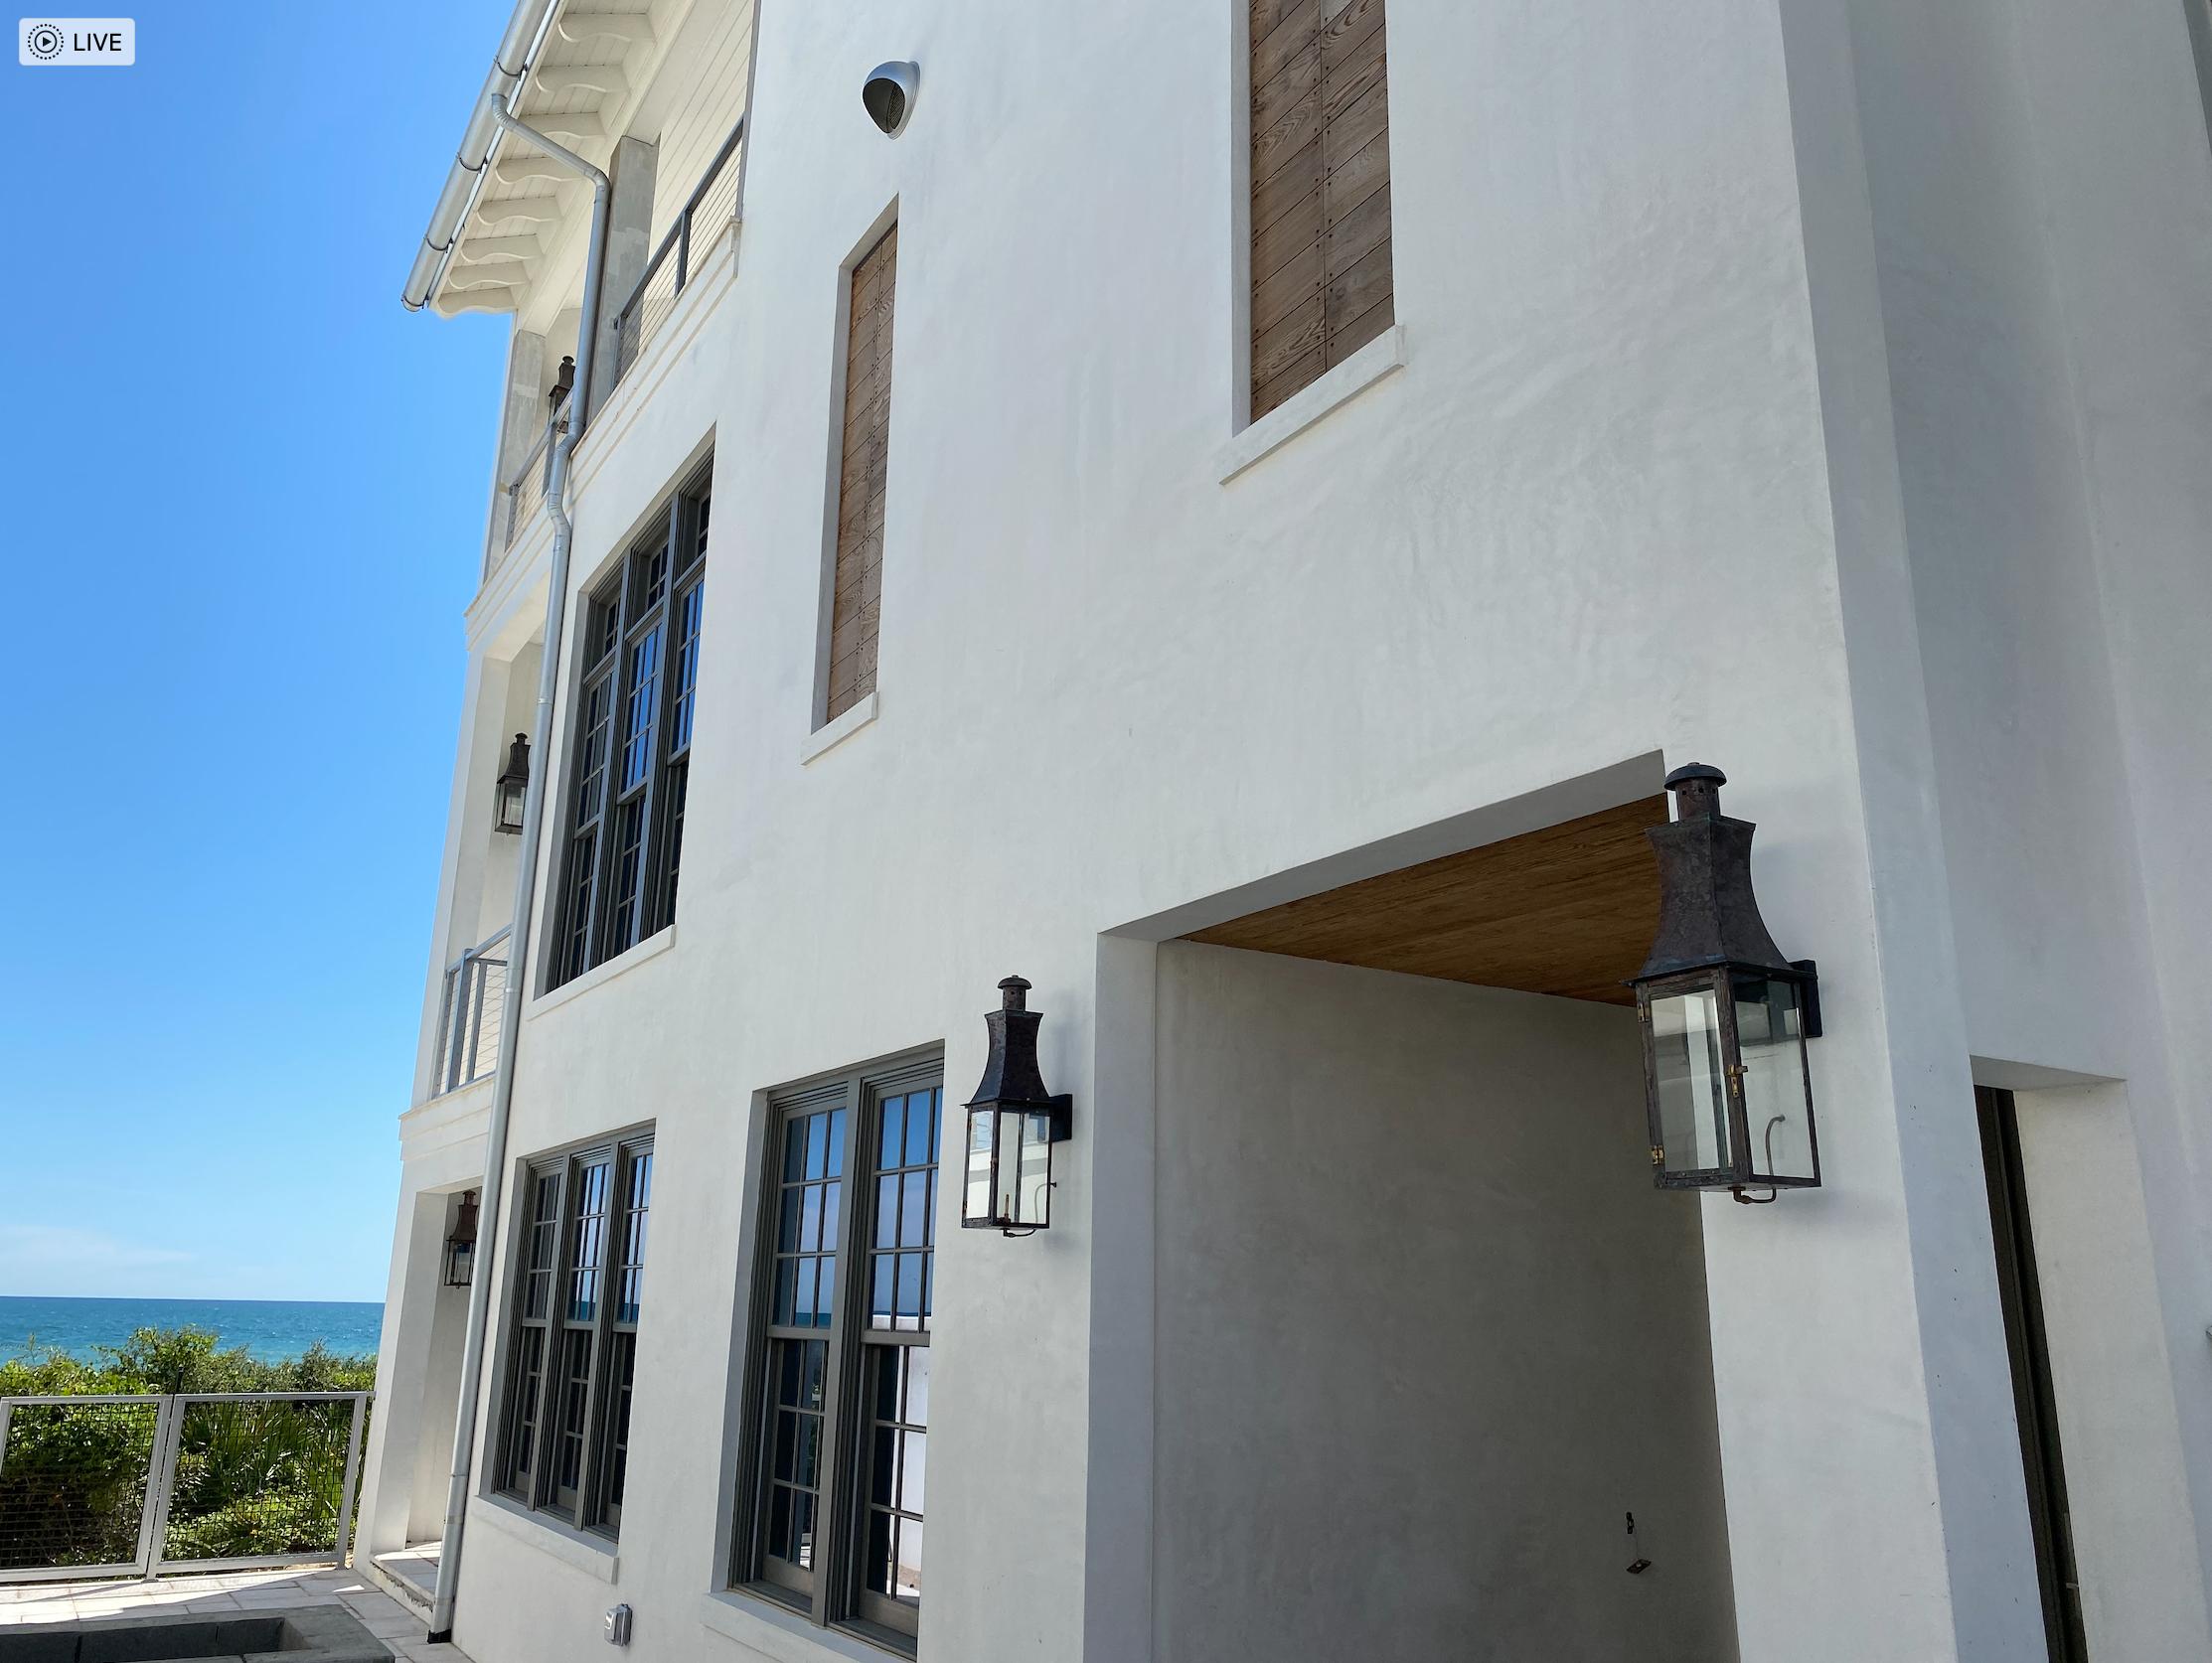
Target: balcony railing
x=137, y=1484
x=522, y=495
x=469, y=1016
x=711, y=205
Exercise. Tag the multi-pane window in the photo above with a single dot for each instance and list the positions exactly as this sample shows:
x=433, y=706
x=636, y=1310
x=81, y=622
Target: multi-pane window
x=639, y=632
x=564, y=1433
x=832, y=1496
x=857, y=578
x=1322, y=284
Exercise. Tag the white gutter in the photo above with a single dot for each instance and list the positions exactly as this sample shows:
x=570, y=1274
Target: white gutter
x=569, y=427
x=518, y=49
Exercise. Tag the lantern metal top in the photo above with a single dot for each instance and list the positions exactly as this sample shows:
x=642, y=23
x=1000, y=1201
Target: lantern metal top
x=1708, y=914
x=517, y=760
x=1010, y=1075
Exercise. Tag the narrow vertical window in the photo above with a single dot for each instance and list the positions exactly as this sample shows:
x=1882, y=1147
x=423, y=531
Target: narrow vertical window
x=800, y=1324
x=832, y=1468
x=565, y=1434
x=894, y=1358
x=628, y=1295
x=633, y=735
x=532, y=1312
x=856, y=581
x=1320, y=189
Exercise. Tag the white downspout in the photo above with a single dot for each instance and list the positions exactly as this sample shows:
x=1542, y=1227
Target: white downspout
x=569, y=427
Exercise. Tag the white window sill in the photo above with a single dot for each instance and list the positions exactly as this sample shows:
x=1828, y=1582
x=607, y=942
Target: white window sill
x=784, y=1635
x=1383, y=356
x=594, y=1555
x=652, y=947
x=838, y=728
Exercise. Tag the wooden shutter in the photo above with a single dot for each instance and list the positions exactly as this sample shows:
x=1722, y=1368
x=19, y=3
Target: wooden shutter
x=1320, y=189
x=858, y=582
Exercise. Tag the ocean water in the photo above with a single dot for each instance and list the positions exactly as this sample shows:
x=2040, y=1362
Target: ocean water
x=272, y=1329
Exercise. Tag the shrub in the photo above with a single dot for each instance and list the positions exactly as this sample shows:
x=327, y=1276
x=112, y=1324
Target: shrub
x=251, y=1478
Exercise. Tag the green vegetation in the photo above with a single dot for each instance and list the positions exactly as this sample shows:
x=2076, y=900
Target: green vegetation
x=251, y=1478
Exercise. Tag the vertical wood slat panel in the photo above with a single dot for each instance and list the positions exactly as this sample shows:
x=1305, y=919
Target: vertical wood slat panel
x=862, y=473
x=1322, y=283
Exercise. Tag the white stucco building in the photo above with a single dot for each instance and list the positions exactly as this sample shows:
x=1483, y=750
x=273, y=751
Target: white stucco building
x=1337, y=466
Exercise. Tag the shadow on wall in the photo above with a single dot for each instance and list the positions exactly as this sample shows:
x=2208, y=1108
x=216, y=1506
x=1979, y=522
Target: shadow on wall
x=1427, y=1334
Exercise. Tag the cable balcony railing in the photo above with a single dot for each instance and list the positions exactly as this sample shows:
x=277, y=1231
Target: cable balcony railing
x=524, y=494
x=711, y=206
x=469, y=1016
x=140, y=1484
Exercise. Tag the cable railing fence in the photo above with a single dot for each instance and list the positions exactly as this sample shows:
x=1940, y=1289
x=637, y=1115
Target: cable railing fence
x=524, y=494
x=711, y=205
x=139, y=1483
x=469, y=1016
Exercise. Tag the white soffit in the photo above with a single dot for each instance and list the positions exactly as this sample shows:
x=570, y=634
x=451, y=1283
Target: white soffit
x=597, y=58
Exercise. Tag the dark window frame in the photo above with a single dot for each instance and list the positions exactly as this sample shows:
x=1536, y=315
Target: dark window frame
x=636, y=687
x=556, y=1201
x=831, y=1590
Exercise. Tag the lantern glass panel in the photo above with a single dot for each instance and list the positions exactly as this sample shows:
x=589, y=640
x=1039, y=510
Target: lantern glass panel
x=1035, y=1192
x=1776, y=1100
x=1687, y=1071
x=981, y=1126
x=511, y=805
x=1005, y=1199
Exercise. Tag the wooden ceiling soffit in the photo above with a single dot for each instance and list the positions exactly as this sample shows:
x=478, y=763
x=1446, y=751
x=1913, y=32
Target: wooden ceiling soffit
x=1568, y=910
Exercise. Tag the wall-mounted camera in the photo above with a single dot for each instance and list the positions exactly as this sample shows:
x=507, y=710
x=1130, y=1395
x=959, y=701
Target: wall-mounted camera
x=888, y=96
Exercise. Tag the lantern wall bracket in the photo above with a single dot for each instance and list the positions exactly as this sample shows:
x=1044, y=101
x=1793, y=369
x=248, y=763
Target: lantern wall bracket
x=1809, y=996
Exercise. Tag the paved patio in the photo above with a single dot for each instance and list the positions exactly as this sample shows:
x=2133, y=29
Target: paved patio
x=244, y=1591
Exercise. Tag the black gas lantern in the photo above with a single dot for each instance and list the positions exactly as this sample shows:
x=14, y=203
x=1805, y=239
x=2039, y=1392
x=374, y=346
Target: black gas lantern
x=1012, y=1124
x=460, y=1246
x=514, y=787
x=1725, y=1017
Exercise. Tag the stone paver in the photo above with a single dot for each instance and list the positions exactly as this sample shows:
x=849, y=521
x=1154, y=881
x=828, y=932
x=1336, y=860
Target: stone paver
x=395, y=1624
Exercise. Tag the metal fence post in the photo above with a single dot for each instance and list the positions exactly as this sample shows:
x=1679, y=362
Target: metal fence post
x=445, y=1034
x=457, y=994
x=472, y=991
x=353, y=1478
x=161, y=1474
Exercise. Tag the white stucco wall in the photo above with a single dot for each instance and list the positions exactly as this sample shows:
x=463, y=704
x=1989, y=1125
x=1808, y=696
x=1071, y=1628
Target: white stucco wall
x=1427, y=1333
x=2040, y=206
x=1636, y=494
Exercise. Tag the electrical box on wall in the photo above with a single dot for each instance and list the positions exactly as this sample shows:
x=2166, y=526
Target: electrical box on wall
x=617, y=1626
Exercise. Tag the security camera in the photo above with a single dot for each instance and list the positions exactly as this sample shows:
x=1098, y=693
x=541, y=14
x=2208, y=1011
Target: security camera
x=888, y=96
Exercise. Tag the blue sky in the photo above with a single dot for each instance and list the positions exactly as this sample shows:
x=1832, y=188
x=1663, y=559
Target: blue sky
x=244, y=498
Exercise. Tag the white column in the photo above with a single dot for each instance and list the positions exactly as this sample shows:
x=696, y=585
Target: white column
x=522, y=423
x=1117, y=1541
x=1876, y=1505
x=403, y=1365
x=629, y=248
